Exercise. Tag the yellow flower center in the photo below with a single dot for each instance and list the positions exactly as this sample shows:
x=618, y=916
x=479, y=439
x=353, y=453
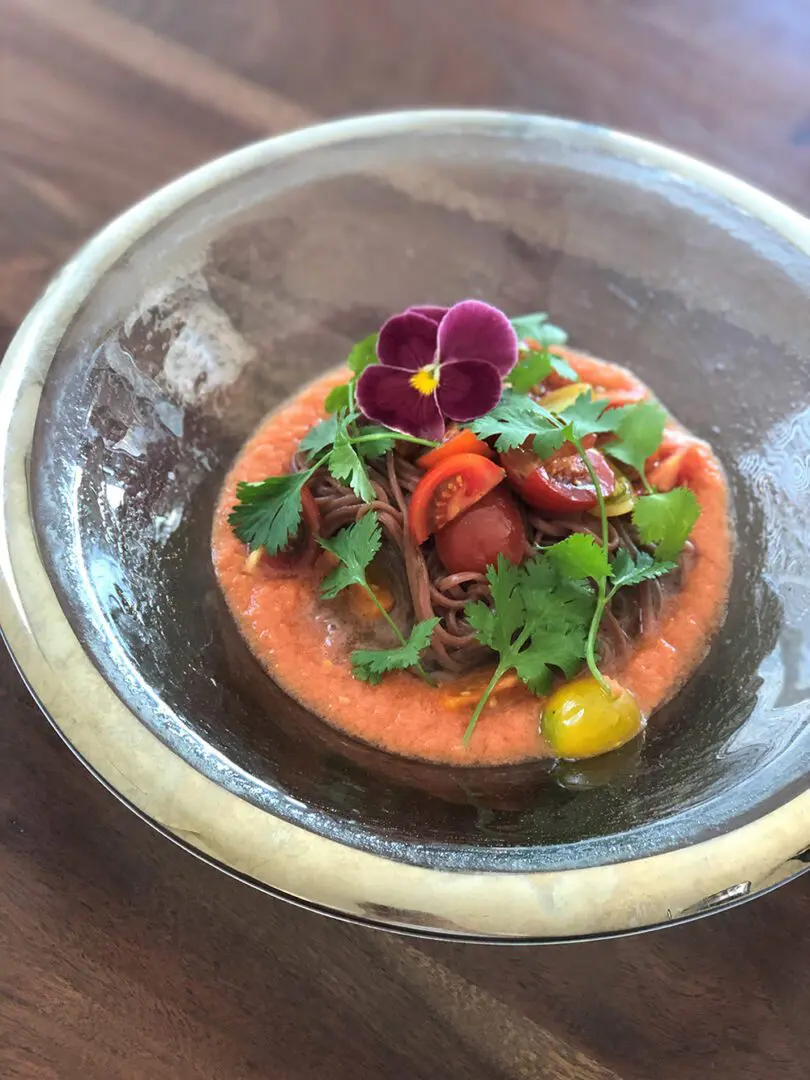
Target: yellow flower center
x=426, y=379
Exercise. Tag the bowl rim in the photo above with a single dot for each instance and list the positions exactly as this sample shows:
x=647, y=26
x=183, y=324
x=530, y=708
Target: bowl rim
x=244, y=839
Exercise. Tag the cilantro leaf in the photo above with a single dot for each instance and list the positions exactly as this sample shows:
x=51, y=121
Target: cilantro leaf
x=587, y=415
x=552, y=598
x=339, y=397
x=268, y=512
x=363, y=354
x=355, y=546
x=497, y=625
x=625, y=570
x=539, y=620
x=370, y=665
x=515, y=419
x=580, y=555
x=639, y=429
x=563, y=368
x=532, y=367
x=321, y=436
x=666, y=519
x=382, y=443
x=346, y=464
x=536, y=335
x=537, y=328
x=562, y=648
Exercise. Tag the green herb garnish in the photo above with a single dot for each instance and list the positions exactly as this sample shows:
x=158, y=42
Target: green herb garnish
x=268, y=512
x=517, y=419
x=639, y=429
x=346, y=465
x=371, y=664
x=665, y=519
x=536, y=336
x=662, y=519
x=355, y=547
x=363, y=354
x=538, y=620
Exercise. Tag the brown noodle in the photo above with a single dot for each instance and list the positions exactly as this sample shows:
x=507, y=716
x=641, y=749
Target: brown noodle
x=432, y=591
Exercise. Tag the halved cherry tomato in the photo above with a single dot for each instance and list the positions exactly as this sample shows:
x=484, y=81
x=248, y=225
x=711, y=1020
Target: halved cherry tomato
x=459, y=442
x=473, y=540
x=561, y=483
x=670, y=472
x=448, y=489
x=616, y=398
x=666, y=465
x=621, y=500
x=301, y=550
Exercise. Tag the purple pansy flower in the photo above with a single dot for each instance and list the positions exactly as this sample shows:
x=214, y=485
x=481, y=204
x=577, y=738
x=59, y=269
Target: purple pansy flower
x=438, y=363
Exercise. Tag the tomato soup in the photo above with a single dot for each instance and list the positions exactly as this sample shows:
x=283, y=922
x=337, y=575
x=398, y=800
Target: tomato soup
x=303, y=647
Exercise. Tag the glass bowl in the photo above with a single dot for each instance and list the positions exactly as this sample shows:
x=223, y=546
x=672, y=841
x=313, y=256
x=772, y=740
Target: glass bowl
x=159, y=348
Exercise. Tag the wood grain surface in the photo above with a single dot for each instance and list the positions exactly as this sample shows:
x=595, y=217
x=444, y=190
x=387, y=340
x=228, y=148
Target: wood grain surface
x=120, y=955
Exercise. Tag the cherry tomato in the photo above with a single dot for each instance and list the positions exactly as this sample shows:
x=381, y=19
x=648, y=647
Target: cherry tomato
x=458, y=442
x=621, y=500
x=302, y=549
x=616, y=398
x=473, y=541
x=667, y=465
x=448, y=489
x=561, y=483
x=582, y=720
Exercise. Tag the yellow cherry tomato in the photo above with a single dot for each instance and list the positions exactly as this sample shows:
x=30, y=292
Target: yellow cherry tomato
x=582, y=720
x=558, y=400
x=621, y=500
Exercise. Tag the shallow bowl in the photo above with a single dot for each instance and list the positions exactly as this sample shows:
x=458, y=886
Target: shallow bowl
x=160, y=347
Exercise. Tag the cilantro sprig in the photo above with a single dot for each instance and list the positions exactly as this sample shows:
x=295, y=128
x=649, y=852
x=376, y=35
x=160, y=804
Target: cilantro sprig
x=370, y=665
x=355, y=548
x=361, y=356
x=538, y=621
x=665, y=519
x=536, y=361
x=268, y=513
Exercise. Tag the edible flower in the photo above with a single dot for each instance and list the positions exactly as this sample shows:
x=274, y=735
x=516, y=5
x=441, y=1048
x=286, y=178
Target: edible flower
x=438, y=364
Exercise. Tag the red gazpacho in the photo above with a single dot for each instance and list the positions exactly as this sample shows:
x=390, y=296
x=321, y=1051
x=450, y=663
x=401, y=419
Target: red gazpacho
x=473, y=545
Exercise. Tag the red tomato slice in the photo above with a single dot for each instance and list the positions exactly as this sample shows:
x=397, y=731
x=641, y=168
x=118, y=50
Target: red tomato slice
x=616, y=398
x=560, y=484
x=302, y=549
x=667, y=474
x=473, y=540
x=460, y=442
x=448, y=489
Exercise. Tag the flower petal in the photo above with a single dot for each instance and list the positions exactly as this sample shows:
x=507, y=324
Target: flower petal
x=430, y=311
x=407, y=341
x=473, y=330
x=468, y=388
x=385, y=395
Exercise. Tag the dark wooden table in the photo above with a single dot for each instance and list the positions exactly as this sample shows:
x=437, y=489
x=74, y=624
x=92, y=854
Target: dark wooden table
x=123, y=957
